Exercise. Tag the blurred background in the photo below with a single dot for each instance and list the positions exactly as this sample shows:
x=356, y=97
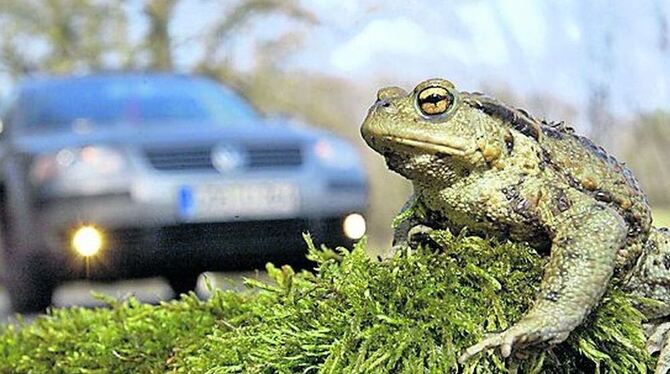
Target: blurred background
x=601, y=66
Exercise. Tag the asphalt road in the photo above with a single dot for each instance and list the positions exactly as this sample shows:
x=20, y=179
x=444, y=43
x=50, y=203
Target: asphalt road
x=151, y=290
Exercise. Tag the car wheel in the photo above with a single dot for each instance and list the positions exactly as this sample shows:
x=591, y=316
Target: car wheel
x=29, y=290
x=182, y=283
x=29, y=282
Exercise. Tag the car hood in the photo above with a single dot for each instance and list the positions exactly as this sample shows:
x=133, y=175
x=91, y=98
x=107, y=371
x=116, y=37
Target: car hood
x=170, y=135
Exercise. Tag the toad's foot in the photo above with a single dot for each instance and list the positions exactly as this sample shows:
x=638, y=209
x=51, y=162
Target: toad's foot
x=527, y=332
x=659, y=341
x=418, y=235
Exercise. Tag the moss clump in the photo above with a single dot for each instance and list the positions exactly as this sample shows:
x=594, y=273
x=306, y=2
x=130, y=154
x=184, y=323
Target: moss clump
x=412, y=313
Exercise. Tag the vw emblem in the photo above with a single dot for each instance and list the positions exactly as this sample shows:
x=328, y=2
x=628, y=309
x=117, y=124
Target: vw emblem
x=226, y=159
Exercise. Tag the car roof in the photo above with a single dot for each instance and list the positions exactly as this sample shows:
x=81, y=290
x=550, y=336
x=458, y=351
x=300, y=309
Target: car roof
x=37, y=82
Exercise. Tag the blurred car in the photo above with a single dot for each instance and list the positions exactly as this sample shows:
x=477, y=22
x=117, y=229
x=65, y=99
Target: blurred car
x=134, y=175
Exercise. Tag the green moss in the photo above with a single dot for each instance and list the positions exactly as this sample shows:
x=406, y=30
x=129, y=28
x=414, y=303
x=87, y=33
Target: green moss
x=412, y=313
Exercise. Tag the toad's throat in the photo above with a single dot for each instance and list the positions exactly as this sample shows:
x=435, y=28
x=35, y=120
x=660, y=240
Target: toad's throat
x=430, y=146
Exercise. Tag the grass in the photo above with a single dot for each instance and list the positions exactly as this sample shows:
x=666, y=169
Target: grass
x=412, y=313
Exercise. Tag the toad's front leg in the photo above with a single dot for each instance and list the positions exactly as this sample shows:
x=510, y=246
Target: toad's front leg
x=586, y=240
x=411, y=232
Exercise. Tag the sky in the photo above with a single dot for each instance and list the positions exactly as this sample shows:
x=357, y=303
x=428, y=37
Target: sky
x=564, y=48
x=561, y=48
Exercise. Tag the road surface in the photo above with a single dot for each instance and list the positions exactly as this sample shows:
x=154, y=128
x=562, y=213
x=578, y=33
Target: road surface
x=150, y=290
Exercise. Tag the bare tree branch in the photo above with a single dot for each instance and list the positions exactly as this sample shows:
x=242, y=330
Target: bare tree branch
x=247, y=10
x=62, y=35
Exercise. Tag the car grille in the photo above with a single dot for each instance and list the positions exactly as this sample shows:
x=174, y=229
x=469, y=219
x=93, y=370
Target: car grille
x=258, y=157
x=200, y=158
x=180, y=159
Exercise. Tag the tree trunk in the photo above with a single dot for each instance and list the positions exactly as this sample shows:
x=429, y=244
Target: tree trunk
x=159, y=13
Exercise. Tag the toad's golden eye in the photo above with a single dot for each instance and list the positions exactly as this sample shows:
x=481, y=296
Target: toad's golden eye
x=434, y=100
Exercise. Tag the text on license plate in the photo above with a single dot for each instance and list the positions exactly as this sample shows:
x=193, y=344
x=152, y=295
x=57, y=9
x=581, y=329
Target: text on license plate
x=238, y=200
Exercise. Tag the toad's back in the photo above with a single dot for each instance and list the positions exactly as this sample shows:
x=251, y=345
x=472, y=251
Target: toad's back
x=586, y=167
x=589, y=168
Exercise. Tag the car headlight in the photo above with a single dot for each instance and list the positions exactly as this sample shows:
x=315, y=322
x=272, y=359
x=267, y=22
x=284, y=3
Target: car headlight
x=87, y=240
x=77, y=163
x=336, y=154
x=354, y=226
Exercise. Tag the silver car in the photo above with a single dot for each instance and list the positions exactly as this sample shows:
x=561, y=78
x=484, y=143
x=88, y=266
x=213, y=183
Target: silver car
x=135, y=175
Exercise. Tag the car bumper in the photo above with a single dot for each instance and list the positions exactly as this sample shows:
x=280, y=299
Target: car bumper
x=198, y=247
x=146, y=234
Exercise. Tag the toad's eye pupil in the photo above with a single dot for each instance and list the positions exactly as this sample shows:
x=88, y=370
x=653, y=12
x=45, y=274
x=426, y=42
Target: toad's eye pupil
x=434, y=98
x=434, y=101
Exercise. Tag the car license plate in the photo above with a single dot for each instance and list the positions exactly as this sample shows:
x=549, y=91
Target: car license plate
x=238, y=201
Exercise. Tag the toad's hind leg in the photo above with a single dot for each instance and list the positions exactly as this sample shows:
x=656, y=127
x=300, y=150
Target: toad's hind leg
x=663, y=363
x=659, y=341
x=651, y=279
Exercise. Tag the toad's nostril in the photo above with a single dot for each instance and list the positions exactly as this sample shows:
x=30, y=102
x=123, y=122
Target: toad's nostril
x=386, y=106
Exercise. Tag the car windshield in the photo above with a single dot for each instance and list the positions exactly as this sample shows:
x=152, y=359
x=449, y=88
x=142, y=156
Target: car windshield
x=64, y=105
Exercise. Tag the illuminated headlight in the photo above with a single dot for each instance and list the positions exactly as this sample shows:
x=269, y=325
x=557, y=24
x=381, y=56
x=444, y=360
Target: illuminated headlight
x=354, y=226
x=77, y=163
x=87, y=241
x=336, y=153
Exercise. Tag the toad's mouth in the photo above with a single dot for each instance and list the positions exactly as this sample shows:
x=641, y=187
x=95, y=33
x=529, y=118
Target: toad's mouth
x=430, y=146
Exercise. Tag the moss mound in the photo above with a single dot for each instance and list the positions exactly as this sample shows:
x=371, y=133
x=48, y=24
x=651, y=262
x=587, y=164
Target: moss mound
x=412, y=313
